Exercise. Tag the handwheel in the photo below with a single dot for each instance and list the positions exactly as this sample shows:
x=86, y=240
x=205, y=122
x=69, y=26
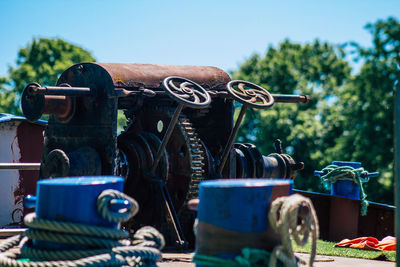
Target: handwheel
x=186, y=92
x=32, y=104
x=250, y=94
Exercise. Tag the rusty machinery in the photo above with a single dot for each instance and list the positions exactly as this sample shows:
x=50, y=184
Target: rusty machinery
x=180, y=130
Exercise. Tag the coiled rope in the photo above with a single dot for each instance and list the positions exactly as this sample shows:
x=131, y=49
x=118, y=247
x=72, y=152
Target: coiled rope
x=97, y=246
x=284, y=217
x=335, y=173
x=293, y=216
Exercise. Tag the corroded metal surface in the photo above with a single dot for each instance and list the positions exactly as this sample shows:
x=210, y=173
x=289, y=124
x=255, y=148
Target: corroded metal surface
x=151, y=76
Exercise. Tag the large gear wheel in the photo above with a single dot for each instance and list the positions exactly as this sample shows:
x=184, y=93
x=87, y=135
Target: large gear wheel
x=185, y=152
x=183, y=159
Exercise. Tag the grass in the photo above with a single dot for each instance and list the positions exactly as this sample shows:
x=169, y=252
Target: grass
x=327, y=248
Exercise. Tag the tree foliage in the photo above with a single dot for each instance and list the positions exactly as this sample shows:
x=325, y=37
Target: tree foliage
x=42, y=61
x=350, y=115
x=317, y=70
x=7, y=97
x=367, y=108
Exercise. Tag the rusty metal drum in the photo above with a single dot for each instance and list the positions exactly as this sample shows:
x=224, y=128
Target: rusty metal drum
x=233, y=214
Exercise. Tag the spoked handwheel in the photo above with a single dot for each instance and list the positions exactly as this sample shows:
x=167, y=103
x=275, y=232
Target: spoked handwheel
x=250, y=94
x=186, y=92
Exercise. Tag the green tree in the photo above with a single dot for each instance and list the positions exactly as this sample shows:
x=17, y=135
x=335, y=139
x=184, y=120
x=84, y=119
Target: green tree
x=318, y=70
x=7, y=97
x=366, y=104
x=42, y=61
x=350, y=116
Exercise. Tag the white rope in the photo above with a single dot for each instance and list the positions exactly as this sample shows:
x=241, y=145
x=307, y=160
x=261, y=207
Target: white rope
x=293, y=217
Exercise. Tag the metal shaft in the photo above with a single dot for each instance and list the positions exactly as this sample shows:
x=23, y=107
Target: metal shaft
x=396, y=163
x=167, y=135
x=291, y=98
x=20, y=166
x=172, y=214
x=59, y=90
x=12, y=232
x=231, y=139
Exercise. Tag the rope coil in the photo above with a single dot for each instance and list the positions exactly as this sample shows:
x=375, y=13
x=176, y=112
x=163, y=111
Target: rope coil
x=292, y=216
x=97, y=246
x=357, y=176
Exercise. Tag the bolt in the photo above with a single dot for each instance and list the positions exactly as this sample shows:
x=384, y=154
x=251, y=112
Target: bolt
x=81, y=69
x=193, y=204
x=298, y=166
x=278, y=146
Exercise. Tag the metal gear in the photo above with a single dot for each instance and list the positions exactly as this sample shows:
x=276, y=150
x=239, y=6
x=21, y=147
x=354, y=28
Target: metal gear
x=185, y=151
x=184, y=158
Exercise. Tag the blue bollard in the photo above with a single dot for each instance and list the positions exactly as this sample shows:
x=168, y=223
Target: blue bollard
x=347, y=189
x=233, y=214
x=344, y=188
x=75, y=199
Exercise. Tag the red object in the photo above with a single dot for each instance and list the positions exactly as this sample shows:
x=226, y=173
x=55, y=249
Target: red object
x=369, y=243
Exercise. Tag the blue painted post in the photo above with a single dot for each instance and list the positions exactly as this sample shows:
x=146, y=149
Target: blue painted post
x=73, y=200
x=233, y=214
x=342, y=207
x=345, y=188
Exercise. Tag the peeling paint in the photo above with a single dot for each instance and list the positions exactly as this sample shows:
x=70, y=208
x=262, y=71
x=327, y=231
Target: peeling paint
x=30, y=140
x=20, y=141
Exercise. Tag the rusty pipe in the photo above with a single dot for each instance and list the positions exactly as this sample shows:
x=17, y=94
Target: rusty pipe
x=60, y=106
x=35, y=103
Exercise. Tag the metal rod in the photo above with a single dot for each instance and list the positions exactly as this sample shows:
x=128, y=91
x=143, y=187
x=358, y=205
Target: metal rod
x=396, y=163
x=59, y=90
x=172, y=214
x=279, y=98
x=7, y=232
x=291, y=98
x=167, y=135
x=231, y=139
x=20, y=166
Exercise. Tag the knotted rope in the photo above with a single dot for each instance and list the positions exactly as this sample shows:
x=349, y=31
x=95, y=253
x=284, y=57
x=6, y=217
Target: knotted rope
x=293, y=216
x=98, y=246
x=335, y=173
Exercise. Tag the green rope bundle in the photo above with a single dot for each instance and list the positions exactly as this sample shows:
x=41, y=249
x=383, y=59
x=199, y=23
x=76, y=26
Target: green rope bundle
x=93, y=245
x=335, y=173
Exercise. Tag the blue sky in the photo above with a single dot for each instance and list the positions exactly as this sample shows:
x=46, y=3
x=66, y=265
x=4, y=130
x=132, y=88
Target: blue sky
x=216, y=33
